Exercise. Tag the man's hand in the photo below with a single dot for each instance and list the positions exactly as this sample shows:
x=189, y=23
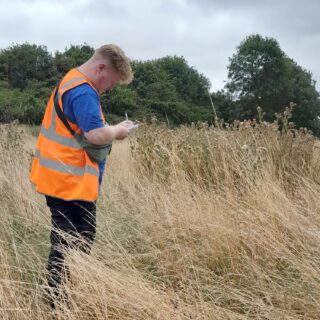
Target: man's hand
x=126, y=123
x=108, y=133
x=122, y=129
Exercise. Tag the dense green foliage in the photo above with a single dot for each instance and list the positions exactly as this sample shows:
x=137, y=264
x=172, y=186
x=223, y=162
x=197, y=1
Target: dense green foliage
x=166, y=88
x=260, y=74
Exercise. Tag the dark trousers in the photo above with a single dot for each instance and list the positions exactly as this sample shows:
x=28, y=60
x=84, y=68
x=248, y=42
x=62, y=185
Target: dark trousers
x=73, y=227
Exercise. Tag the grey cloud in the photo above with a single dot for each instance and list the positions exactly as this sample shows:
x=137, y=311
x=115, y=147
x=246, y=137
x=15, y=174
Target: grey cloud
x=205, y=32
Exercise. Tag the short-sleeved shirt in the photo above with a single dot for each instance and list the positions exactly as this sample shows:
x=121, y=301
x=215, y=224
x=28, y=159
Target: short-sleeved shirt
x=81, y=105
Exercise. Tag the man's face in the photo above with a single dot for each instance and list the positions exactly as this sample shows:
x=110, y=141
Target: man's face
x=107, y=78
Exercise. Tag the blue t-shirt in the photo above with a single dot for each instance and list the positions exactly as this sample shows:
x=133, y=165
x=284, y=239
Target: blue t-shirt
x=82, y=106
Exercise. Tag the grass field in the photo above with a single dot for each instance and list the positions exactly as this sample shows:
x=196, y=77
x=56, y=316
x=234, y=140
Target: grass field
x=193, y=223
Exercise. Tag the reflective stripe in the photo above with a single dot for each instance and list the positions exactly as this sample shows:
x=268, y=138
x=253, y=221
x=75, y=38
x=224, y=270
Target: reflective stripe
x=55, y=137
x=66, y=168
x=72, y=81
x=52, y=135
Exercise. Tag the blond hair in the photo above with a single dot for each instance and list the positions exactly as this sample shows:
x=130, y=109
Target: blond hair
x=117, y=59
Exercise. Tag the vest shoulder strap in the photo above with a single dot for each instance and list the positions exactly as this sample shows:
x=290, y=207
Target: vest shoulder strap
x=59, y=111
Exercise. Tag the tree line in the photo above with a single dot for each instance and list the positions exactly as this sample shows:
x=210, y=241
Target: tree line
x=259, y=74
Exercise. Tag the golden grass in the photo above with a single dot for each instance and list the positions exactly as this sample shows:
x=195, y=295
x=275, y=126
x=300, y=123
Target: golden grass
x=193, y=223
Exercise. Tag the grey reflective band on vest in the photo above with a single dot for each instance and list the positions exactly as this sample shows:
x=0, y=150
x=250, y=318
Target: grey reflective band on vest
x=65, y=168
x=52, y=135
x=72, y=81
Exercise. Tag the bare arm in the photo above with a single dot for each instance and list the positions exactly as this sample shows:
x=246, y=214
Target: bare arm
x=107, y=134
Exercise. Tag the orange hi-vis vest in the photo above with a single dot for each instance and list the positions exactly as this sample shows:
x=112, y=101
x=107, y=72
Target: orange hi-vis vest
x=60, y=167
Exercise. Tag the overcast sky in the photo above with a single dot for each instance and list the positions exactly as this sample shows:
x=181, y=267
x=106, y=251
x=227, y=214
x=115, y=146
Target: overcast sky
x=205, y=32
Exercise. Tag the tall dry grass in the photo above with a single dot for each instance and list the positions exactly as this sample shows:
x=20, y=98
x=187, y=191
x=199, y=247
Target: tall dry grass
x=193, y=223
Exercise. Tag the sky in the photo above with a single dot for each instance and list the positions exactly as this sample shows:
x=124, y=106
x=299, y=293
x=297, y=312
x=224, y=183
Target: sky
x=205, y=32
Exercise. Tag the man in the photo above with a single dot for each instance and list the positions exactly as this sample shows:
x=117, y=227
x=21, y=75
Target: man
x=62, y=169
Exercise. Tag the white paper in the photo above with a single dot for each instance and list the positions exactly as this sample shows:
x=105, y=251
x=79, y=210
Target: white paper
x=133, y=128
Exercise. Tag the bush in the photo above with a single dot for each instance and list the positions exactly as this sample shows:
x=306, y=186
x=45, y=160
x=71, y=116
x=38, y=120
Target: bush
x=20, y=105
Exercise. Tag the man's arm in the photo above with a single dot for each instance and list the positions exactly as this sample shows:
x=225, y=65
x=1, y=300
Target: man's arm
x=85, y=104
x=108, y=133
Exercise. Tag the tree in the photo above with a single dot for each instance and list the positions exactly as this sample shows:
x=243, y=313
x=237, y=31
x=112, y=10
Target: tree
x=118, y=101
x=224, y=106
x=167, y=88
x=72, y=57
x=172, y=90
x=21, y=64
x=261, y=74
x=191, y=86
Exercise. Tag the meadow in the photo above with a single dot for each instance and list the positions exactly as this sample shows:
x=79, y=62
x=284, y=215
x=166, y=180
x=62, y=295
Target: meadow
x=196, y=222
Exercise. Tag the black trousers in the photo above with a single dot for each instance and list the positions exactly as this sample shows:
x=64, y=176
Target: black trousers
x=73, y=227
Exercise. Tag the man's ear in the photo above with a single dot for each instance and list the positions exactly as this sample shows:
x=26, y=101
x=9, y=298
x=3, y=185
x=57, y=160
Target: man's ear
x=101, y=67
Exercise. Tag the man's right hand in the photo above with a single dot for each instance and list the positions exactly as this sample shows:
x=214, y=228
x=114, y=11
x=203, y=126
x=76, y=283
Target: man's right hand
x=106, y=134
x=126, y=123
x=121, y=131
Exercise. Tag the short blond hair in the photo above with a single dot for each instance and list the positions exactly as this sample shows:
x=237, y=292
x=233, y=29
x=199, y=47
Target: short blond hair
x=117, y=59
